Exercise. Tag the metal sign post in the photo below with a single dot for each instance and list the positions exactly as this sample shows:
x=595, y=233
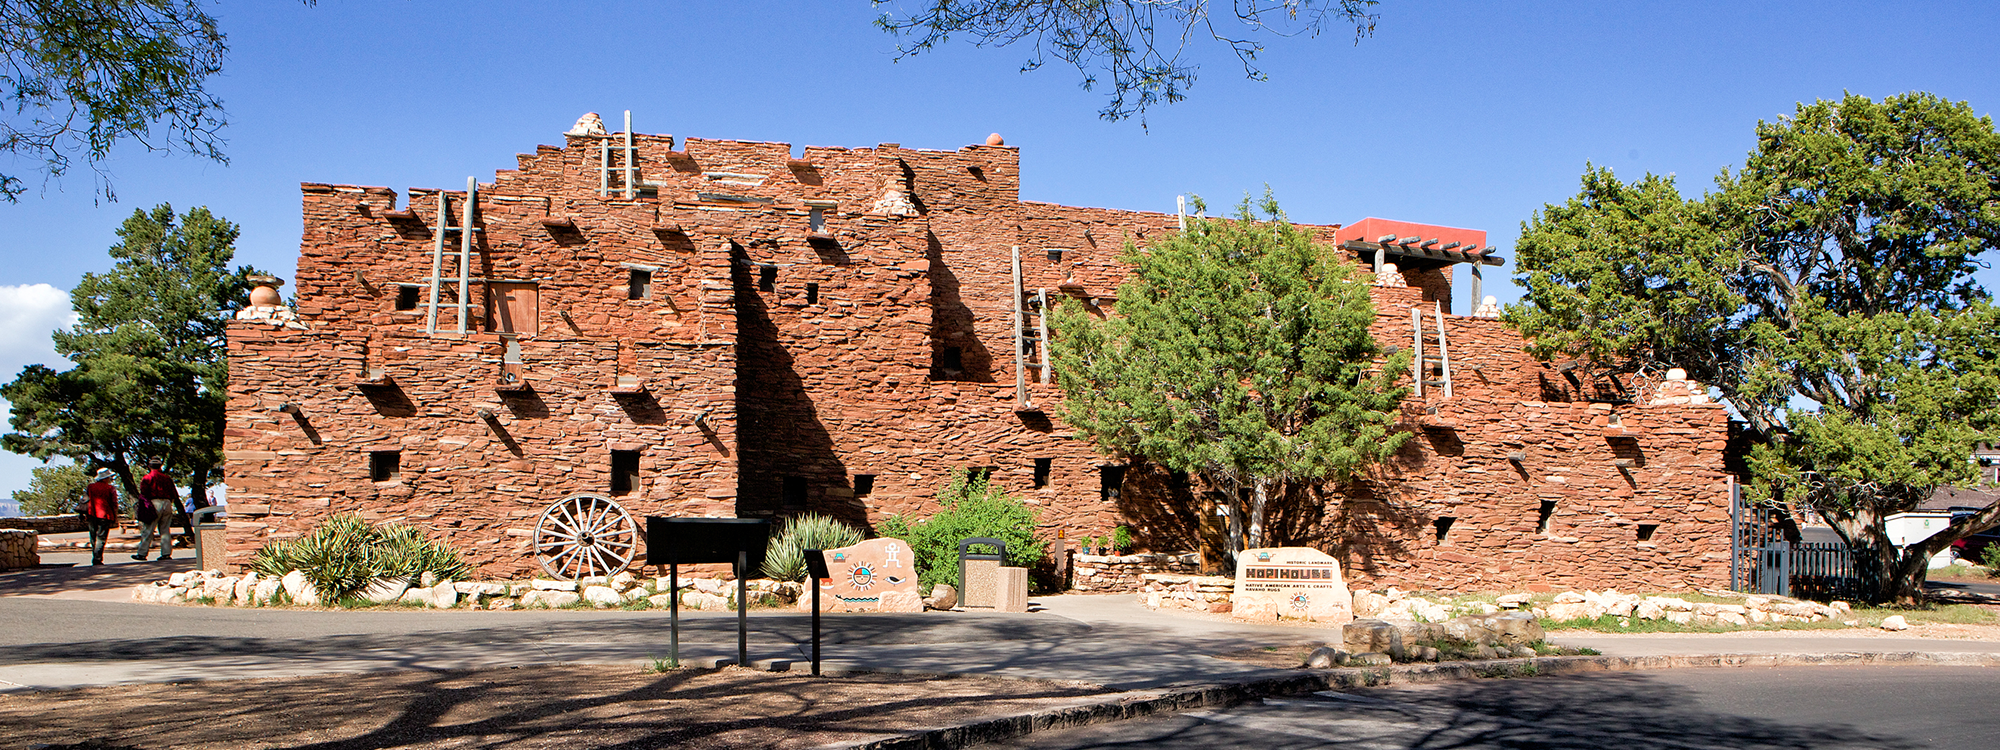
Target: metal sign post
x=816, y=572
x=738, y=541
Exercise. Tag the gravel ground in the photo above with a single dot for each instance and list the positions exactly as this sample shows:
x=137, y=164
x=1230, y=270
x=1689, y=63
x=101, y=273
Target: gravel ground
x=556, y=706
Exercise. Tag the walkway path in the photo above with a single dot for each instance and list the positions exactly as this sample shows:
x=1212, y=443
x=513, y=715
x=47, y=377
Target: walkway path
x=62, y=627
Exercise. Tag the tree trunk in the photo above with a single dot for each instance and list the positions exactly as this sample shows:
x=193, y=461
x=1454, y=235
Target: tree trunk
x=1888, y=574
x=1235, y=505
x=1261, y=499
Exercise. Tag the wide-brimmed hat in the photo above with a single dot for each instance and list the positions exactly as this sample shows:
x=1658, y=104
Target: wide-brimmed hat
x=103, y=474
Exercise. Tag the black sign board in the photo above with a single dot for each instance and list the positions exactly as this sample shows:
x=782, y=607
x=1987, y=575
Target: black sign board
x=738, y=541
x=705, y=540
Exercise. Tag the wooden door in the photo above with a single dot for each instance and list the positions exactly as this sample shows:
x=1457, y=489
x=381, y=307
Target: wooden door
x=515, y=308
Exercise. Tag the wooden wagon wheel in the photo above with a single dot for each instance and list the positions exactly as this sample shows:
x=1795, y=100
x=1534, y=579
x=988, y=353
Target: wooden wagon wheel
x=585, y=535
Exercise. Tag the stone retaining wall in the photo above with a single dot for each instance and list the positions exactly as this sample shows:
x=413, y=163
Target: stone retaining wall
x=1187, y=592
x=17, y=549
x=1114, y=574
x=63, y=524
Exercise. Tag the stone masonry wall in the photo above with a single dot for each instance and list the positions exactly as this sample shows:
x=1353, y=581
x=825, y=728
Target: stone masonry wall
x=831, y=333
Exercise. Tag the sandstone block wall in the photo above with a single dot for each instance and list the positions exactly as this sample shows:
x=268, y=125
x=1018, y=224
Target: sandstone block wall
x=832, y=333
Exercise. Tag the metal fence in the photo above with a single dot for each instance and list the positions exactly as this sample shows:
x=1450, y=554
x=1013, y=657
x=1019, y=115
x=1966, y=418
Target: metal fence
x=1762, y=561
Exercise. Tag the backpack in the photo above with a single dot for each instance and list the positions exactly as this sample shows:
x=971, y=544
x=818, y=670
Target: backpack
x=145, y=511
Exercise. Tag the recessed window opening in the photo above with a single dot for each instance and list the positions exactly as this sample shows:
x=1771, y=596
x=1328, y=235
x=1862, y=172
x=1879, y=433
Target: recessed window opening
x=812, y=294
x=1055, y=255
x=767, y=278
x=1110, y=482
x=1646, y=531
x=816, y=220
x=980, y=473
x=640, y=286
x=385, y=466
x=1042, y=466
x=864, y=485
x=1443, y=526
x=795, y=492
x=951, y=358
x=624, y=472
x=1548, y=512
x=406, y=296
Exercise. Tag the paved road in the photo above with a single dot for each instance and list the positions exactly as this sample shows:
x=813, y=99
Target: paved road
x=1797, y=708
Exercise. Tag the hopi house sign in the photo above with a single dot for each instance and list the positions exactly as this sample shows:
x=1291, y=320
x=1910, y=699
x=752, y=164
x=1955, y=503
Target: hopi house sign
x=877, y=575
x=1299, y=583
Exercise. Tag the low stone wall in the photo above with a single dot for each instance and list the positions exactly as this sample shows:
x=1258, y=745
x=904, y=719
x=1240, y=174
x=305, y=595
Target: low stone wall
x=1115, y=574
x=66, y=523
x=1187, y=592
x=17, y=549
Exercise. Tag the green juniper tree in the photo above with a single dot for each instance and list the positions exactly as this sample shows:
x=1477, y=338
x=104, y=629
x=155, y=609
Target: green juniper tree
x=1825, y=290
x=52, y=490
x=1240, y=353
x=150, y=375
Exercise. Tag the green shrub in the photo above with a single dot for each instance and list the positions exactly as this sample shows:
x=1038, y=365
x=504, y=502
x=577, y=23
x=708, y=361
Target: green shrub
x=345, y=554
x=1990, y=557
x=1121, y=539
x=972, y=508
x=785, y=558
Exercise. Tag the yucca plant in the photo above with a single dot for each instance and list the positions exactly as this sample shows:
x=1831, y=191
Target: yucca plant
x=785, y=558
x=346, y=554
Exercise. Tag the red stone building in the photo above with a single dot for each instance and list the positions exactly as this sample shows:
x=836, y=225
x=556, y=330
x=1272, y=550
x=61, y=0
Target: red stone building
x=702, y=327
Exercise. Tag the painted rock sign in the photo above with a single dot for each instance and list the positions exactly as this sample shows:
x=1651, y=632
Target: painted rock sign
x=877, y=575
x=1290, y=583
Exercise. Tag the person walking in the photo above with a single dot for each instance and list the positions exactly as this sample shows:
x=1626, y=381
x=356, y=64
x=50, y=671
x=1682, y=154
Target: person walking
x=100, y=513
x=159, y=501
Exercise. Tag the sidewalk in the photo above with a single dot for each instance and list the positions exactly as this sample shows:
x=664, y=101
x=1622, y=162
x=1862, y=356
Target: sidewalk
x=1108, y=640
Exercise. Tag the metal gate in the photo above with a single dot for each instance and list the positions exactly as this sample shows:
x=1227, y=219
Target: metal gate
x=1763, y=561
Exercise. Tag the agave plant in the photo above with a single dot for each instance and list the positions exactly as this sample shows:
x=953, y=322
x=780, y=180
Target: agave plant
x=346, y=554
x=785, y=558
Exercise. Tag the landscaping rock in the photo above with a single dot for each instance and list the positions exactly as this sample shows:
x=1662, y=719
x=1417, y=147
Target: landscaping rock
x=1895, y=622
x=1370, y=660
x=623, y=580
x=385, y=590
x=550, y=599
x=944, y=597
x=444, y=595
x=299, y=589
x=1323, y=658
x=705, y=601
x=265, y=591
x=543, y=584
x=603, y=596
x=901, y=601
x=1524, y=652
x=661, y=601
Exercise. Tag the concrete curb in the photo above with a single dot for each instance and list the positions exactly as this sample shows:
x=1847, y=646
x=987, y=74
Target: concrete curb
x=1143, y=703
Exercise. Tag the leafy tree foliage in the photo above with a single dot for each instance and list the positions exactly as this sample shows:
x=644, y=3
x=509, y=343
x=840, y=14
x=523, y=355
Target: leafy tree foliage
x=1239, y=352
x=52, y=490
x=1826, y=290
x=80, y=76
x=150, y=373
x=1143, y=46
x=972, y=507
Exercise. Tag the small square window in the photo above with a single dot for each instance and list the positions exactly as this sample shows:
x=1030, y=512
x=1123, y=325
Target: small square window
x=951, y=358
x=406, y=296
x=385, y=466
x=640, y=286
x=624, y=472
x=816, y=220
x=767, y=278
x=1646, y=531
x=1548, y=514
x=812, y=294
x=864, y=485
x=1443, y=527
x=1110, y=482
x=1055, y=255
x=795, y=492
x=1042, y=466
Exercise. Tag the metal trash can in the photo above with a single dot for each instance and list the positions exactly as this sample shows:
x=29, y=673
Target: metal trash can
x=211, y=539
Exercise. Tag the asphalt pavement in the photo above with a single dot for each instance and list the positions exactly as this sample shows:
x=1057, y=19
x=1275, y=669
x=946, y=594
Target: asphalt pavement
x=1787, y=708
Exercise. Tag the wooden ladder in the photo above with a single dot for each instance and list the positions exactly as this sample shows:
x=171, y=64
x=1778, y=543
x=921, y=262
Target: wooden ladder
x=1429, y=370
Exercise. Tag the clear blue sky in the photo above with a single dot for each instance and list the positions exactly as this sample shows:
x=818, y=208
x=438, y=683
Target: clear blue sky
x=1470, y=114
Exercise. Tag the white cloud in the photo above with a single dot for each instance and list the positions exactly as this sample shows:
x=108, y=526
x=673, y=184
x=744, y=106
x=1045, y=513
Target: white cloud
x=28, y=314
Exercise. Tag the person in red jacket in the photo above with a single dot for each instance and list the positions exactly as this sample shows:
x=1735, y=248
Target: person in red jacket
x=100, y=513
x=158, y=490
